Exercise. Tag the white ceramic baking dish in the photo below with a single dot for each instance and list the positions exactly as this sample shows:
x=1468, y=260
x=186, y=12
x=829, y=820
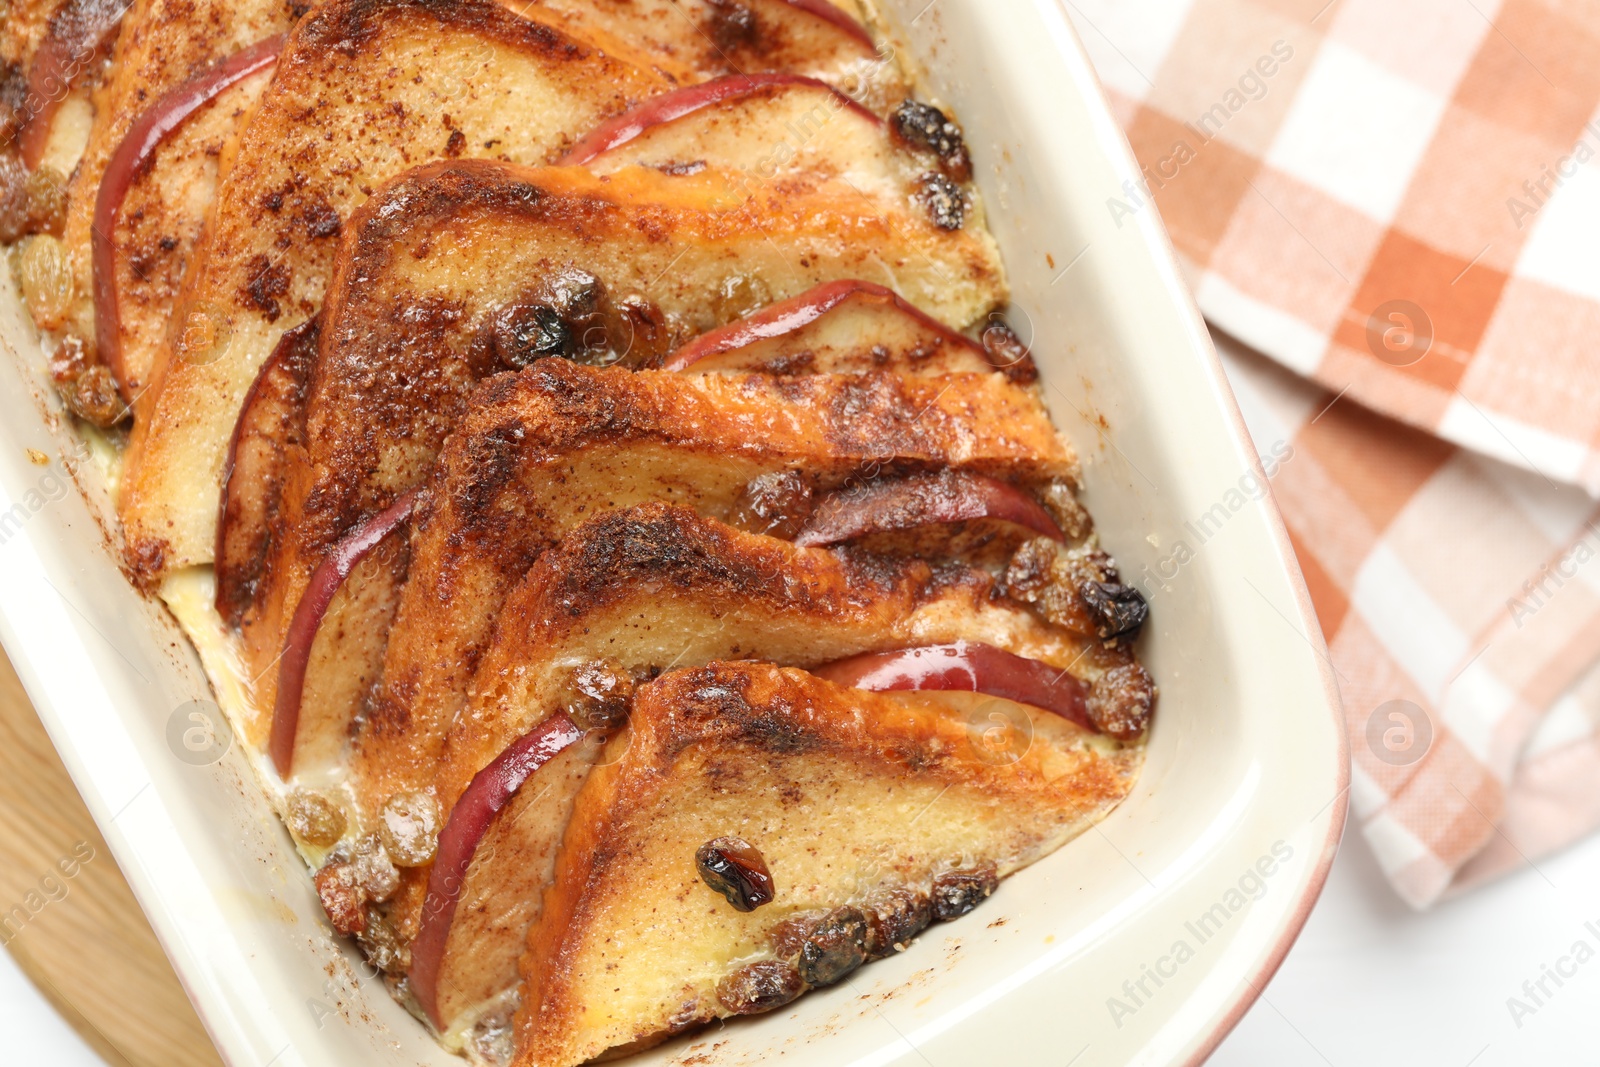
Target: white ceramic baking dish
x=1142, y=942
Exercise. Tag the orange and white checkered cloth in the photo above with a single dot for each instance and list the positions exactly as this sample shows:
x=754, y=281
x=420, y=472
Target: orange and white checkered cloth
x=1398, y=202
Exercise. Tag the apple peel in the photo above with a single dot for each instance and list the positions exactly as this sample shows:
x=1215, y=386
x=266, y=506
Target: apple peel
x=131, y=158
x=669, y=107
x=796, y=313
x=77, y=36
x=325, y=583
x=967, y=667
x=490, y=791
x=891, y=504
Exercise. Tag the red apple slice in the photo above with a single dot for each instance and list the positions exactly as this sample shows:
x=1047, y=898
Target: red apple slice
x=829, y=13
x=891, y=504
x=132, y=157
x=308, y=615
x=271, y=421
x=75, y=39
x=490, y=791
x=966, y=667
x=667, y=107
x=837, y=327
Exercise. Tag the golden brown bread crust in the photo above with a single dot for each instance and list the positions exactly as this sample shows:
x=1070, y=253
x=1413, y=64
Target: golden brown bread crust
x=843, y=792
x=541, y=451
x=361, y=91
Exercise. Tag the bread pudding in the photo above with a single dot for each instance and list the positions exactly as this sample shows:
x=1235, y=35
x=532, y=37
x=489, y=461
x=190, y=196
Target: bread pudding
x=584, y=441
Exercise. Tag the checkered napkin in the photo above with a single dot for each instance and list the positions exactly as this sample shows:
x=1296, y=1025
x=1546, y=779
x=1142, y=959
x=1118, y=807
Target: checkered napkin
x=1399, y=200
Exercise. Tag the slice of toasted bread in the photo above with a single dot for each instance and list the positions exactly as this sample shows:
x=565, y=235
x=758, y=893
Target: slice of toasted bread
x=854, y=801
x=541, y=451
x=639, y=590
x=163, y=43
x=363, y=89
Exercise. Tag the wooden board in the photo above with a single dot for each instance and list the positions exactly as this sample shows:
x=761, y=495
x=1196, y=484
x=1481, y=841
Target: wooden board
x=70, y=920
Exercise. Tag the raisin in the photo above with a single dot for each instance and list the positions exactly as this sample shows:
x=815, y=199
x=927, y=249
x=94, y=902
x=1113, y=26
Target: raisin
x=789, y=936
x=315, y=819
x=409, y=825
x=759, y=987
x=733, y=24
x=596, y=697
x=925, y=126
x=836, y=946
x=957, y=892
x=47, y=201
x=342, y=898
x=1116, y=609
x=1060, y=499
x=894, y=919
x=385, y=949
x=13, y=196
x=775, y=504
x=373, y=870
x=1121, y=701
x=92, y=396
x=736, y=869
x=943, y=200
x=1008, y=352
x=522, y=333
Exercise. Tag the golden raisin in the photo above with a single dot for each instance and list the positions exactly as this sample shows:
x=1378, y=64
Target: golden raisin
x=315, y=819
x=409, y=826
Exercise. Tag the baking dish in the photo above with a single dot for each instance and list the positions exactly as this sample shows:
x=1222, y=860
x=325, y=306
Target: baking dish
x=1142, y=942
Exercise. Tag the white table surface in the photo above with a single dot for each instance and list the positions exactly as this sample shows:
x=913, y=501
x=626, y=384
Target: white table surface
x=35, y=1035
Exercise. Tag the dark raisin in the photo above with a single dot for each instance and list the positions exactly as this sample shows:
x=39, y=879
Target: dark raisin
x=523, y=333
x=13, y=196
x=776, y=504
x=596, y=697
x=789, y=936
x=736, y=869
x=759, y=987
x=942, y=198
x=342, y=897
x=576, y=293
x=836, y=946
x=894, y=919
x=1008, y=352
x=1115, y=608
x=925, y=126
x=733, y=25
x=1121, y=701
x=957, y=892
